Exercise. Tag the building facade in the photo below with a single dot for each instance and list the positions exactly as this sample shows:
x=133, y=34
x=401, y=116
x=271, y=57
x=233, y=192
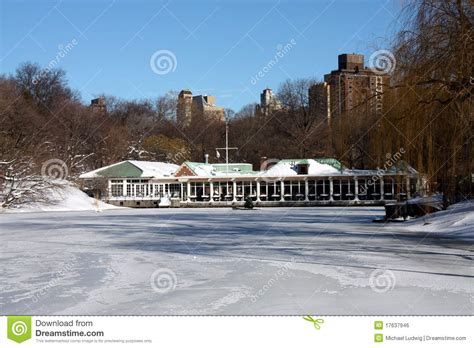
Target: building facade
x=98, y=105
x=350, y=89
x=268, y=103
x=320, y=100
x=191, y=107
x=298, y=182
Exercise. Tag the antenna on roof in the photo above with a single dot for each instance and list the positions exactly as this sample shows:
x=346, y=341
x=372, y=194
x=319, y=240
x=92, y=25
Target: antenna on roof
x=226, y=148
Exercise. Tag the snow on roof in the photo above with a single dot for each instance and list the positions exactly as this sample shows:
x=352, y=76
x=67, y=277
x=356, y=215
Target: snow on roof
x=147, y=169
x=283, y=168
x=290, y=168
x=203, y=169
x=280, y=169
x=155, y=169
x=220, y=169
x=94, y=173
x=402, y=166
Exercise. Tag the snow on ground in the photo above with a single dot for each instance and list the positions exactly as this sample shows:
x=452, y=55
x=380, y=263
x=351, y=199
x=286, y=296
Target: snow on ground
x=65, y=198
x=322, y=260
x=456, y=221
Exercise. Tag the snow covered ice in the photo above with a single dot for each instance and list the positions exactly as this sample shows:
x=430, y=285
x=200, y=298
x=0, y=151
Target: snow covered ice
x=319, y=260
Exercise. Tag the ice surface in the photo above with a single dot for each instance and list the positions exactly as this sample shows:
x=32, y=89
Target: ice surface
x=319, y=260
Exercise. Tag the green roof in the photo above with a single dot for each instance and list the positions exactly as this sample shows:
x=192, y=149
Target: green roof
x=121, y=170
x=236, y=167
x=330, y=161
x=295, y=161
x=246, y=168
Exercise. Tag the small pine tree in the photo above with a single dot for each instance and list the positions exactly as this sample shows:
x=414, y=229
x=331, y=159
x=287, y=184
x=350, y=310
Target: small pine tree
x=248, y=203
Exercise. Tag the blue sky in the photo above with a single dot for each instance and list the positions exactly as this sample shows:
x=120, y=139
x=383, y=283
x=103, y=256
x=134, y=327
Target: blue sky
x=219, y=47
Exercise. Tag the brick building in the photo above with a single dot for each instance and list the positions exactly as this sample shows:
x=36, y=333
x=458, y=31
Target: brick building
x=98, y=105
x=268, y=102
x=190, y=107
x=350, y=89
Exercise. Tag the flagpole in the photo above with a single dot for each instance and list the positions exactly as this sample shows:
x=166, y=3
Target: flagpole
x=227, y=147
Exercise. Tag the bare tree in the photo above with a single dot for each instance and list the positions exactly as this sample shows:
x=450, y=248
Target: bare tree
x=298, y=121
x=434, y=53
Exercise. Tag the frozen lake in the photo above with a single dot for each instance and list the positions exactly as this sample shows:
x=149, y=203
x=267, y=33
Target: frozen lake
x=222, y=261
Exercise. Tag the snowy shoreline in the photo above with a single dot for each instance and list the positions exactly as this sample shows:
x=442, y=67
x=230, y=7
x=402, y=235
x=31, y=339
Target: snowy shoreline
x=66, y=199
x=456, y=221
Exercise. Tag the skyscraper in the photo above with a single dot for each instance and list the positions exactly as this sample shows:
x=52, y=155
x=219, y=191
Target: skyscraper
x=350, y=89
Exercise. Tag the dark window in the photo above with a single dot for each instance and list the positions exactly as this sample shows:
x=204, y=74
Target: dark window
x=303, y=169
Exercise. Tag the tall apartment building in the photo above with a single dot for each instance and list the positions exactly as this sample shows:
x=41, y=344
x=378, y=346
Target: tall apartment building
x=320, y=99
x=268, y=102
x=190, y=107
x=350, y=89
x=98, y=105
x=184, y=107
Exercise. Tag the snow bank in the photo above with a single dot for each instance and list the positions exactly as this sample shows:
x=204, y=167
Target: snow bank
x=435, y=201
x=457, y=220
x=66, y=198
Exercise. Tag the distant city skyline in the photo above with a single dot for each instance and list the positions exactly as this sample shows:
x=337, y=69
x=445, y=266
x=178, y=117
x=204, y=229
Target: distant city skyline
x=229, y=49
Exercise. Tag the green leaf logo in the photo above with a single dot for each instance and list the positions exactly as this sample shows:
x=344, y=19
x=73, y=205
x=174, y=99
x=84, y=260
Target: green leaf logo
x=19, y=328
x=316, y=322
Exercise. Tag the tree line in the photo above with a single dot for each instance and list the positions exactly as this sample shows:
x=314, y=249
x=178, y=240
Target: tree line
x=427, y=112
